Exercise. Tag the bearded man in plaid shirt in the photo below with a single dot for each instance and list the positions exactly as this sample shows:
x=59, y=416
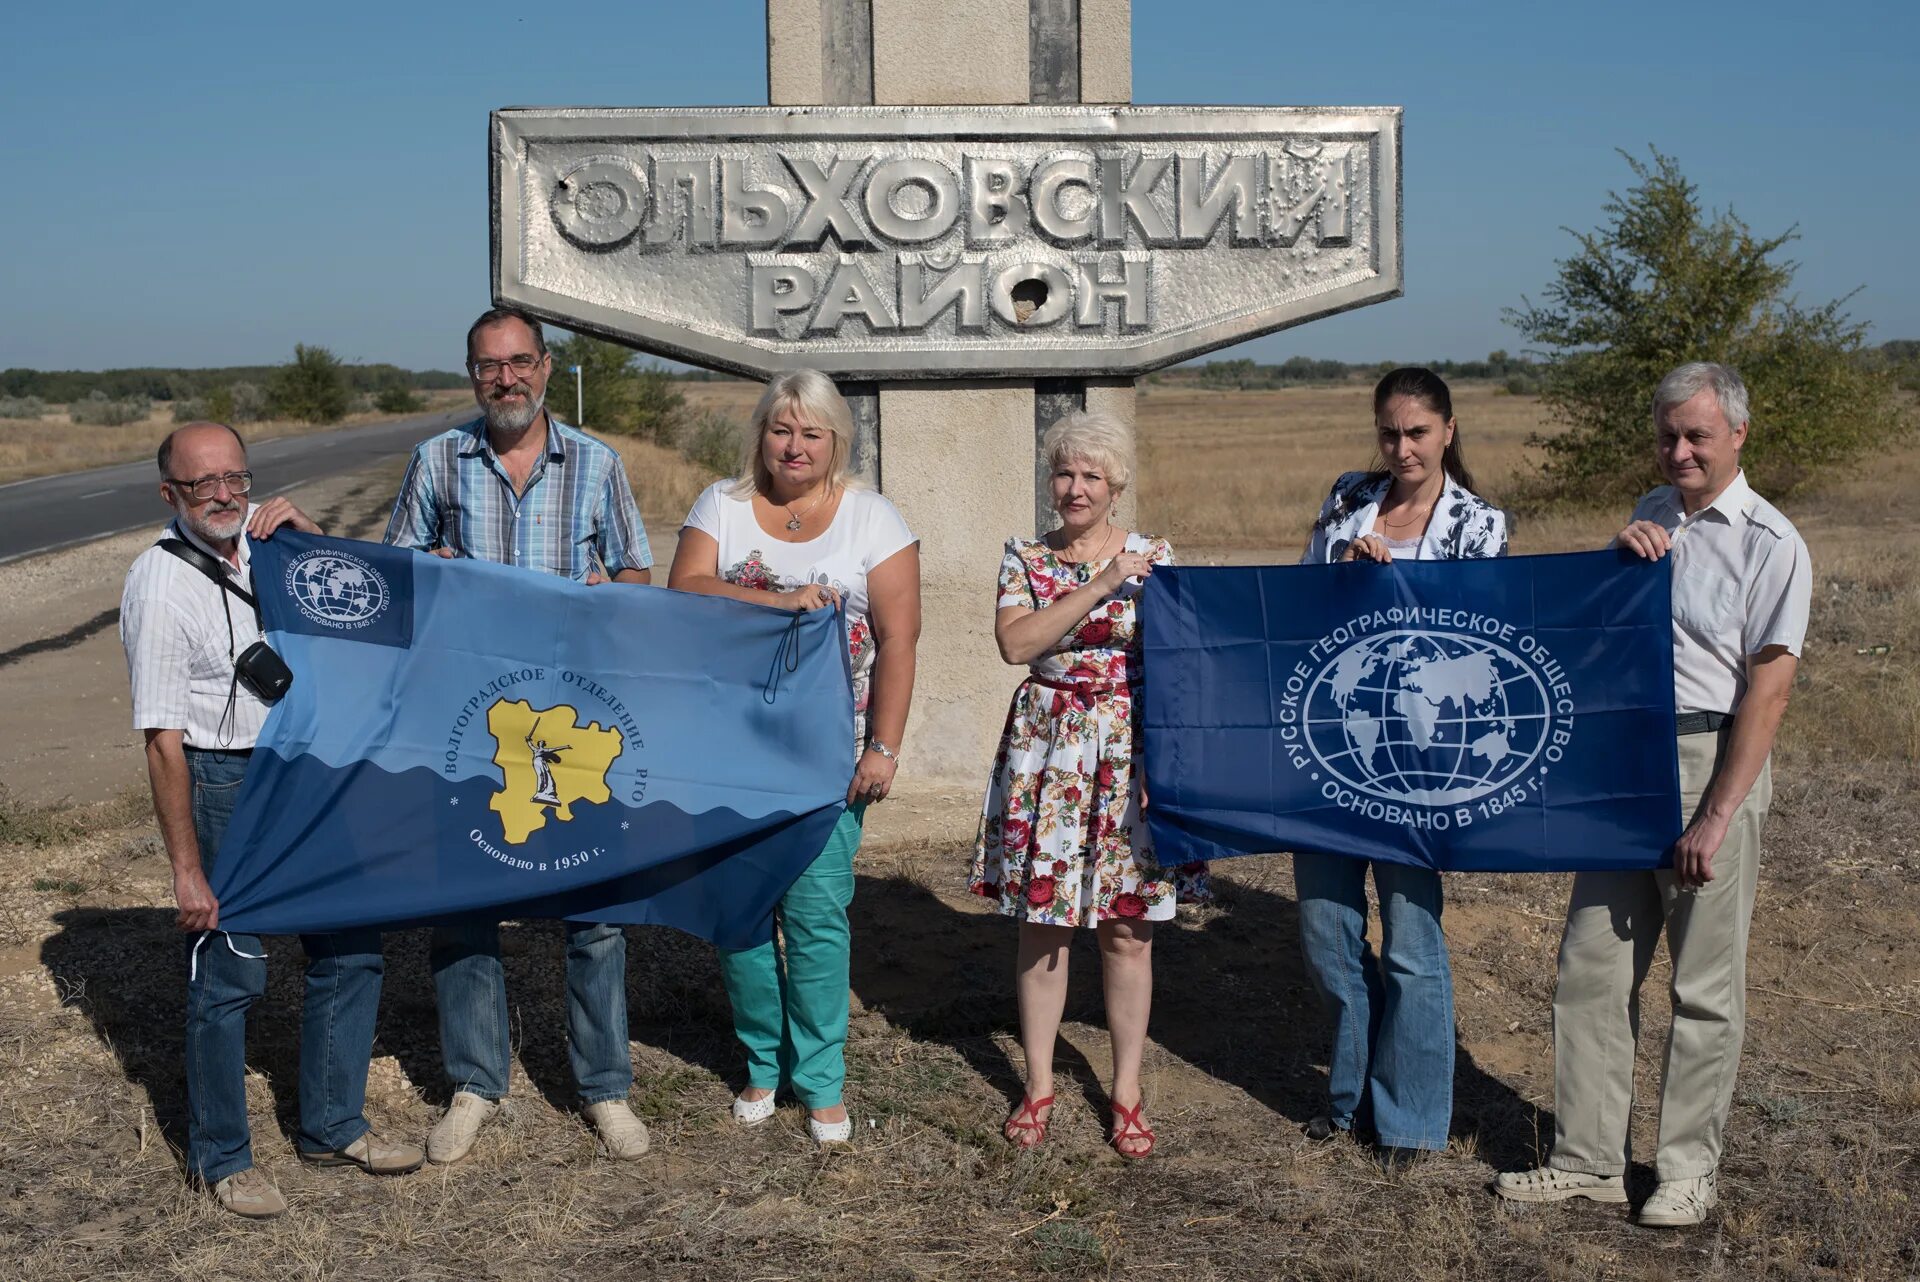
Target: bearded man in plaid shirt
x=519, y=487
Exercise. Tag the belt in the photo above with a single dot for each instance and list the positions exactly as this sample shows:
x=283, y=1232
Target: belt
x=1701, y=722
x=217, y=752
x=1086, y=687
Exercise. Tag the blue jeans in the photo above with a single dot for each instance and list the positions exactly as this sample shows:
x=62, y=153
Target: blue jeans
x=471, y=984
x=1392, y=1017
x=336, y=1027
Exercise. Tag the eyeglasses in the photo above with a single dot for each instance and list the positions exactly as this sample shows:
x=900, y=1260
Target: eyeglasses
x=208, y=486
x=521, y=364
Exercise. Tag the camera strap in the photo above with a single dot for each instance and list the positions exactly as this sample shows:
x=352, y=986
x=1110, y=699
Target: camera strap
x=200, y=561
x=212, y=569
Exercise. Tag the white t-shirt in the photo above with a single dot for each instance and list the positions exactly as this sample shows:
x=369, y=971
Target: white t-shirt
x=865, y=531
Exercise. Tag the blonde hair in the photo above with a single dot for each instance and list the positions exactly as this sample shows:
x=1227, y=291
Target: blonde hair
x=811, y=395
x=1093, y=437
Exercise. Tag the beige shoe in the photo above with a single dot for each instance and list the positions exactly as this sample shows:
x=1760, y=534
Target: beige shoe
x=1550, y=1184
x=372, y=1154
x=251, y=1194
x=452, y=1136
x=624, y=1134
x=1678, y=1203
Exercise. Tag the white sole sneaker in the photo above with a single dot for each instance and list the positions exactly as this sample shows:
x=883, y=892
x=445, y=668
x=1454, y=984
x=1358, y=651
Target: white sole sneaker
x=1679, y=1204
x=622, y=1135
x=1546, y=1184
x=452, y=1136
x=752, y=1112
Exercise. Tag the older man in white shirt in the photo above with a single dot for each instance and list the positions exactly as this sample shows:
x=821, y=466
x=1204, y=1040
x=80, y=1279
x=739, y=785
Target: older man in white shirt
x=1741, y=584
x=188, y=623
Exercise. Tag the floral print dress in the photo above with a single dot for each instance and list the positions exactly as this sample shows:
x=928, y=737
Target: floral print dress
x=1062, y=841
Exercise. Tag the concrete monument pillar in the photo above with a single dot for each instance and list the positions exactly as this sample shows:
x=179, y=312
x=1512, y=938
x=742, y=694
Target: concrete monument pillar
x=958, y=457
x=930, y=212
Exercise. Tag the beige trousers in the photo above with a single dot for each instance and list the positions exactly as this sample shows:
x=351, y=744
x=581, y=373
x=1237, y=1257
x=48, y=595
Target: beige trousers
x=1614, y=920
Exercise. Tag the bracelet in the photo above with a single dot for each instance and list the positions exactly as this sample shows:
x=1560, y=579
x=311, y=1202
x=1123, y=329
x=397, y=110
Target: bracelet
x=874, y=745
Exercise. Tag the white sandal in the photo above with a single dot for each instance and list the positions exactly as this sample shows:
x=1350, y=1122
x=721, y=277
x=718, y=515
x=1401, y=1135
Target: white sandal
x=753, y=1112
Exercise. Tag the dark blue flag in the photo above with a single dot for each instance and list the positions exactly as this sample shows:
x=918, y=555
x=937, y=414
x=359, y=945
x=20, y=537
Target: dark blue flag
x=468, y=738
x=1509, y=715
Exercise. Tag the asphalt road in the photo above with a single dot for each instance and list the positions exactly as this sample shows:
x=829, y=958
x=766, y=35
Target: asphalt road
x=51, y=512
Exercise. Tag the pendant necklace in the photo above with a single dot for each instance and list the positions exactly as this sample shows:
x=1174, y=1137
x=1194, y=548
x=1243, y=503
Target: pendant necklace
x=793, y=518
x=1082, y=570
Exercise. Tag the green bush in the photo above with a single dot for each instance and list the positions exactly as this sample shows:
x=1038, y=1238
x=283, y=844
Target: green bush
x=312, y=389
x=245, y=403
x=398, y=399
x=192, y=410
x=101, y=410
x=1659, y=284
x=713, y=440
x=22, y=407
x=623, y=397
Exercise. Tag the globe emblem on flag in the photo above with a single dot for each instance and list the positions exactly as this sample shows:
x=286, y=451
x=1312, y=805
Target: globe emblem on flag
x=336, y=588
x=1431, y=718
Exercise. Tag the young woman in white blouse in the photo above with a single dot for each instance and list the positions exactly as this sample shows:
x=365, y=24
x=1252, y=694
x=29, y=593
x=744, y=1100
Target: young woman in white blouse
x=1391, y=1065
x=796, y=532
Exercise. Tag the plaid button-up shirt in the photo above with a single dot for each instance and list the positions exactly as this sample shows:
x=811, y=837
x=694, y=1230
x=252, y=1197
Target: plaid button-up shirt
x=577, y=508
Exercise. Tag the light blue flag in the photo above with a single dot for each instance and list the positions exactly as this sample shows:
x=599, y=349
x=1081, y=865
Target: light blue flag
x=464, y=738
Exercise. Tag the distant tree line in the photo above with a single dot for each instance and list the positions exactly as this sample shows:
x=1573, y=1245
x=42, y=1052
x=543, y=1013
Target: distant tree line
x=1520, y=375
x=63, y=387
x=314, y=387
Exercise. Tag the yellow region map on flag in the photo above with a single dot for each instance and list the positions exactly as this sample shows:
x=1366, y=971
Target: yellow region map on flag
x=549, y=763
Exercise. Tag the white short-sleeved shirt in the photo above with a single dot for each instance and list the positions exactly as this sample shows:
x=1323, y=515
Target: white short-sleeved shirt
x=865, y=531
x=1742, y=581
x=174, y=627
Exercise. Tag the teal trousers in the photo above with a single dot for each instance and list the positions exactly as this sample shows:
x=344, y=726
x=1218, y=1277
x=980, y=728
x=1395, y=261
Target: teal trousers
x=790, y=1001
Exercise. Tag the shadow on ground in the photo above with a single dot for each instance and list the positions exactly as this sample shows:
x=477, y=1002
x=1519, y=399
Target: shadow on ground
x=1231, y=1000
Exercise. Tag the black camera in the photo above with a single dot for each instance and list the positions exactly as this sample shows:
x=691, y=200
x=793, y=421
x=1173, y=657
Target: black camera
x=262, y=671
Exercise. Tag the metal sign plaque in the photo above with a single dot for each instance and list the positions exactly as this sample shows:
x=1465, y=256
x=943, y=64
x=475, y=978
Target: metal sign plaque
x=904, y=242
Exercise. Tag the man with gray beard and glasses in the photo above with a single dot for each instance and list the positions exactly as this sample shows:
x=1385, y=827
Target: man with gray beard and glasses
x=188, y=623
x=519, y=487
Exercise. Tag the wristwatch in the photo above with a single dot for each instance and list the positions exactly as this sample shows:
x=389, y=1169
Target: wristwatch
x=883, y=750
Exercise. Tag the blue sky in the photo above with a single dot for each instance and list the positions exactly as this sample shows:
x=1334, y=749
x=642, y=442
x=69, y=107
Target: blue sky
x=207, y=184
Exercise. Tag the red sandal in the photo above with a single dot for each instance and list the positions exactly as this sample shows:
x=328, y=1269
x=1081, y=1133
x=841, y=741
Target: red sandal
x=1128, y=1126
x=1027, y=1118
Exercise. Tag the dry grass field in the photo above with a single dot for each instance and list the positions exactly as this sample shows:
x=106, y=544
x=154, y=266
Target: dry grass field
x=1239, y=476
x=1822, y=1169
x=50, y=444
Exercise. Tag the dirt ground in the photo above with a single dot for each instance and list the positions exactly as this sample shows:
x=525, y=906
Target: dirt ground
x=1823, y=1151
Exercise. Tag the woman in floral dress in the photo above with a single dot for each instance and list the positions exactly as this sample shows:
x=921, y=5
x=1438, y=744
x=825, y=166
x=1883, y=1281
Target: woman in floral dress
x=1062, y=842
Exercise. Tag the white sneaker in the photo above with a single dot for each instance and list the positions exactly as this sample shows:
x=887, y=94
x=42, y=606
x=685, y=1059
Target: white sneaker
x=452, y=1136
x=1678, y=1203
x=752, y=1112
x=624, y=1135
x=1550, y=1184
x=827, y=1133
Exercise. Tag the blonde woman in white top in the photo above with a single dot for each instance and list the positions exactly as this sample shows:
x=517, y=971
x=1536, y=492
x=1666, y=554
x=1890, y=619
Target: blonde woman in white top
x=794, y=531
